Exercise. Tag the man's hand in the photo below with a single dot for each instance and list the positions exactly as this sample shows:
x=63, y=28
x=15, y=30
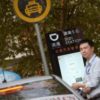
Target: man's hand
x=78, y=85
x=86, y=89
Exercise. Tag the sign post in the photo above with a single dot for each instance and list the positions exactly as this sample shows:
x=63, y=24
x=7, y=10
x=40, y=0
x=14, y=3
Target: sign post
x=41, y=49
x=33, y=11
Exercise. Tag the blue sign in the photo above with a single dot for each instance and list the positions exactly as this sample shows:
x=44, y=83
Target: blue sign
x=8, y=76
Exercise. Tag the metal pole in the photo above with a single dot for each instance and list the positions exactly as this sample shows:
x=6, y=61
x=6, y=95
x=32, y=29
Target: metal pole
x=41, y=49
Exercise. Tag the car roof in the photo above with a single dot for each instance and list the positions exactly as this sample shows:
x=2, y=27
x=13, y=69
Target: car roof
x=24, y=80
x=40, y=78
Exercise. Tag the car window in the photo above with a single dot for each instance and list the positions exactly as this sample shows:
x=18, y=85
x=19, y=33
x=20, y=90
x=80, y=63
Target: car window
x=38, y=89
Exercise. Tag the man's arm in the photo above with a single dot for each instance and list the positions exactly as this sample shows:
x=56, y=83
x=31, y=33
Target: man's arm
x=94, y=77
x=94, y=80
x=78, y=85
x=82, y=86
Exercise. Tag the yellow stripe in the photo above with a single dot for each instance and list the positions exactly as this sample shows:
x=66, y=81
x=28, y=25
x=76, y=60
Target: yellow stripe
x=11, y=88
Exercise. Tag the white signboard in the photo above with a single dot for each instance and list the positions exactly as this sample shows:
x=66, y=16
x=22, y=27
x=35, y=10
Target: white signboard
x=72, y=67
x=57, y=97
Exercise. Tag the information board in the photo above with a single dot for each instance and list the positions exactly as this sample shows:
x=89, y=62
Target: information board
x=71, y=67
x=66, y=59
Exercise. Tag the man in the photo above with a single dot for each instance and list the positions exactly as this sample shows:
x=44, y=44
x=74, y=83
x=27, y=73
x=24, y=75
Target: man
x=91, y=84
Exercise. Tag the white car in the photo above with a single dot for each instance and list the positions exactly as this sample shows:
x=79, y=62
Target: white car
x=38, y=88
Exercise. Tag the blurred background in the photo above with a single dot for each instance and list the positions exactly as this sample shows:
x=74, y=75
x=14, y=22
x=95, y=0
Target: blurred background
x=19, y=50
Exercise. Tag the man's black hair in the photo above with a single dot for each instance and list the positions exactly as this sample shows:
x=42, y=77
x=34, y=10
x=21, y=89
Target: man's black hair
x=90, y=42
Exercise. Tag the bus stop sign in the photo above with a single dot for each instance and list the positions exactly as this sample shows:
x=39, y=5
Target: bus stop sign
x=32, y=10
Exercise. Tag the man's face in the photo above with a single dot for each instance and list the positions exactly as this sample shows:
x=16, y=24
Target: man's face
x=86, y=50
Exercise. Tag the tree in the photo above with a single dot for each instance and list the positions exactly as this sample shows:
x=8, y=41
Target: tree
x=83, y=14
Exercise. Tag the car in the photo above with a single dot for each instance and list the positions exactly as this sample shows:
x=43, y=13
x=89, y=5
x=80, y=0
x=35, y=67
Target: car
x=49, y=87
x=33, y=7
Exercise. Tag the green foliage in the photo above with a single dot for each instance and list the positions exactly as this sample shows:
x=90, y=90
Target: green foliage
x=83, y=14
